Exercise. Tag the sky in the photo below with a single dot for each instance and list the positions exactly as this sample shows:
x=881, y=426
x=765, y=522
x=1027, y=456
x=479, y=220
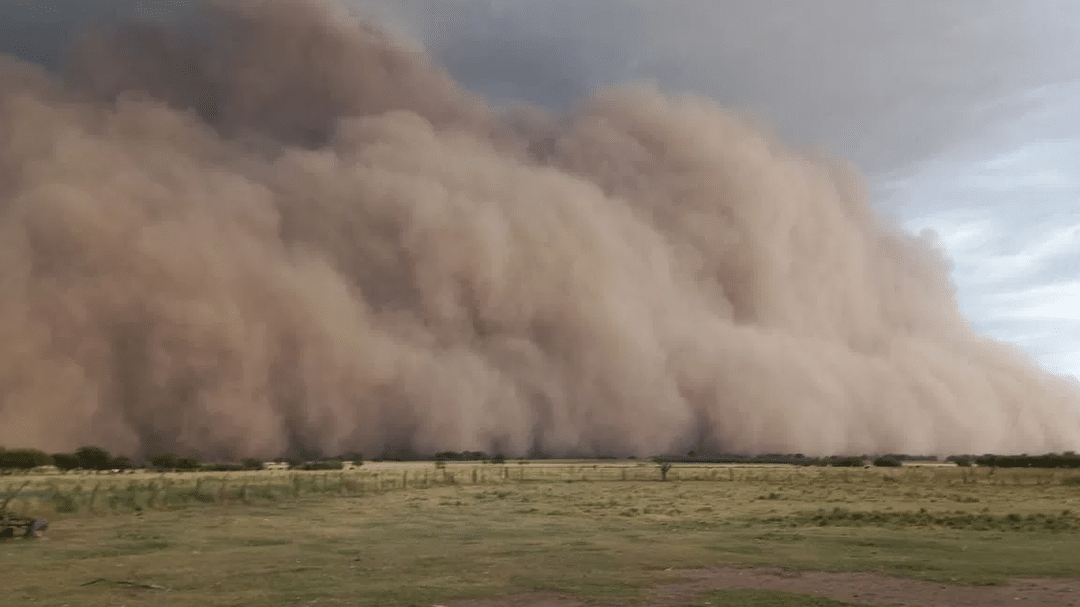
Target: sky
x=964, y=116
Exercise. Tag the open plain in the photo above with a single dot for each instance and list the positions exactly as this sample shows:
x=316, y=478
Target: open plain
x=564, y=533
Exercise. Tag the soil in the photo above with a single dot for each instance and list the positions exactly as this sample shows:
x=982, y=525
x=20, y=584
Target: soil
x=862, y=588
x=873, y=589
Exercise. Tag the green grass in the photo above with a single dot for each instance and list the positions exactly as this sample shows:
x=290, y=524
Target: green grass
x=359, y=538
x=763, y=598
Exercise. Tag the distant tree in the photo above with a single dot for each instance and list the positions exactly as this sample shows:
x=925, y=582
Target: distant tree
x=65, y=461
x=665, y=467
x=460, y=456
x=325, y=464
x=498, y=458
x=251, y=463
x=24, y=459
x=165, y=461
x=291, y=461
x=187, y=463
x=351, y=456
x=121, y=463
x=223, y=467
x=887, y=462
x=93, y=458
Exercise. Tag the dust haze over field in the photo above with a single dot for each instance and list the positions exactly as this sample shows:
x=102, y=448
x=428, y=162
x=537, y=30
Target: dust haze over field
x=271, y=229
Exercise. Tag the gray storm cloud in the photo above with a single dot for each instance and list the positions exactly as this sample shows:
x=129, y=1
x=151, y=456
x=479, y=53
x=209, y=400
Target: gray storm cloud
x=276, y=230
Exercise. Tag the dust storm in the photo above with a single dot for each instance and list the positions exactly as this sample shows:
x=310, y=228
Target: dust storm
x=272, y=228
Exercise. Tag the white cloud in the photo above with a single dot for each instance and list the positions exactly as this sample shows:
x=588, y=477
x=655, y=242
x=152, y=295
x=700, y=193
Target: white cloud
x=1056, y=301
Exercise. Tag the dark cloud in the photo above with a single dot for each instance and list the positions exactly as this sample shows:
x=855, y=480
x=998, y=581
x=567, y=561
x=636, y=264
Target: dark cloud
x=883, y=83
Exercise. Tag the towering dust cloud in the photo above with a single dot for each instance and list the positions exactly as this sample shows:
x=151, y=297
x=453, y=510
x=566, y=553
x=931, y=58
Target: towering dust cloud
x=269, y=229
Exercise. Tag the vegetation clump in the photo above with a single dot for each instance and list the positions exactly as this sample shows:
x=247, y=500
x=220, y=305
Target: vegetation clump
x=845, y=517
x=1068, y=459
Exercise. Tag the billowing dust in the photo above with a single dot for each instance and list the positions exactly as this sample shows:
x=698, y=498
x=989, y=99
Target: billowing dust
x=272, y=229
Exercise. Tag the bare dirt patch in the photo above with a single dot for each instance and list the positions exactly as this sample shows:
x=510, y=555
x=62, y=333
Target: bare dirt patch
x=872, y=589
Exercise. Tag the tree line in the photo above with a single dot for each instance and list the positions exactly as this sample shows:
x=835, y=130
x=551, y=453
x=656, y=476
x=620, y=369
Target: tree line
x=85, y=458
x=99, y=459
x=1069, y=459
x=797, y=459
x=93, y=458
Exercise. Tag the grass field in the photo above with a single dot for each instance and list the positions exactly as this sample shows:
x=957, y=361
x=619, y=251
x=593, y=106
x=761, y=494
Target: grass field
x=413, y=534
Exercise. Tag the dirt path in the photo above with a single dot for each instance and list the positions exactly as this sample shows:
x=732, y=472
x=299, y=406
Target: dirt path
x=865, y=588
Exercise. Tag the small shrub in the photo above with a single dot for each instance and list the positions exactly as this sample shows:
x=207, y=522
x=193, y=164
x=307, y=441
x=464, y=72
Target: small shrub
x=187, y=463
x=251, y=463
x=665, y=467
x=121, y=463
x=24, y=459
x=165, y=461
x=326, y=464
x=65, y=461
x=224, y=467
x=94, y=458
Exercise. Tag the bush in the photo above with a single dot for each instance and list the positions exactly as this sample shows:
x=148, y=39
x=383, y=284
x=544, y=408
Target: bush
x=224, y=467
x=65, y=461
x=1049, y=460
x=24, y=459
x=187, y=463
x=94, y=458
x=461, y=456
x=356, y=458
x=121, y=463
x=887, y=462
x=292, y=462
x=326, y=464
x=251, y=463
x=165, y=461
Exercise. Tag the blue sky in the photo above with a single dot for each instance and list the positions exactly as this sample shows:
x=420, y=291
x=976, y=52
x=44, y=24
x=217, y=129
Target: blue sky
x=963, y=115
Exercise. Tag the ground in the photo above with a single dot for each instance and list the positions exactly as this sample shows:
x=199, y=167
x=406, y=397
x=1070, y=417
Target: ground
x=715, y=586
x=737, y=536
